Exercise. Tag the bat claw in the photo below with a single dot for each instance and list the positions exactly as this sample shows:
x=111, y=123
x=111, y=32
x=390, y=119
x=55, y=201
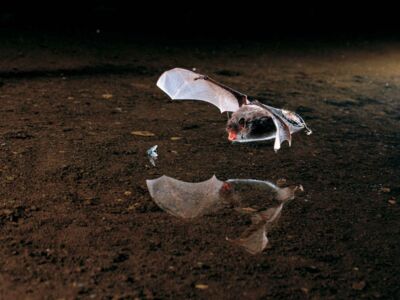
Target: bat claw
x=204, y=77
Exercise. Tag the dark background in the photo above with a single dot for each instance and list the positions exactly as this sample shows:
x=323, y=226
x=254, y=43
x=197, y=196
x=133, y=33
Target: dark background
x=193, y=19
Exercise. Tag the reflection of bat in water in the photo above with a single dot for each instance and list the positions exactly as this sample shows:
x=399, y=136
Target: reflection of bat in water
x=251, y=120
x=190, y=200
x=185, y=199
x=255, y=239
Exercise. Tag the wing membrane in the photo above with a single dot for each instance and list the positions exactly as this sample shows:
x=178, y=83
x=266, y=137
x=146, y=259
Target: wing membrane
x=181, y=84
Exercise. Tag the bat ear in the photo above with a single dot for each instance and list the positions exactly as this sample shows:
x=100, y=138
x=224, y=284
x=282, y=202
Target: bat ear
x=242, y=122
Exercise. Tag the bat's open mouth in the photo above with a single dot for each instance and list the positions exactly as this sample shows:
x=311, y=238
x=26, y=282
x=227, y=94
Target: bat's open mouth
x=232, y=136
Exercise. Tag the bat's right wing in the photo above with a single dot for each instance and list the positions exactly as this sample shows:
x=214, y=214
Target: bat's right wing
x=181, y=84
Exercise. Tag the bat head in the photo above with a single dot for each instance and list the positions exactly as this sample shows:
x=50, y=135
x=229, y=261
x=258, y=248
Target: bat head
x=250, y=121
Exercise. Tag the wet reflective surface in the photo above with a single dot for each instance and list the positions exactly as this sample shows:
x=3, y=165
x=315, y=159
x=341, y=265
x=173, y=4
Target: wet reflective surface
x=77, y=220
x=261, y=201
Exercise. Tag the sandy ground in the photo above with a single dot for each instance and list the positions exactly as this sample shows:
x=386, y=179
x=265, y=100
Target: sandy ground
x=77, y=221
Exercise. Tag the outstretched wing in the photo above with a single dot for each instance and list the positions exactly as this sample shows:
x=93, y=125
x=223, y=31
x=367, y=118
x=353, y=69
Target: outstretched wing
x=181, y=84
x=185, y=199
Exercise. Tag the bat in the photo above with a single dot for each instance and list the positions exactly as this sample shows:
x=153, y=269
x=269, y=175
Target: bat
x=251, y=121
x=189, y=200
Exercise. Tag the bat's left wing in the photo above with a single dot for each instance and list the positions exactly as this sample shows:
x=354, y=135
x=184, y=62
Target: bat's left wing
x=182, y=84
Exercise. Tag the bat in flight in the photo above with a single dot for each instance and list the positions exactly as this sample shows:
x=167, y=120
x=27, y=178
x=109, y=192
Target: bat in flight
x=251, y=121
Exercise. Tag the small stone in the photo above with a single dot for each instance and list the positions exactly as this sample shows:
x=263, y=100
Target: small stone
x=10, y=178
x=201, y=286
x=245, y=209
x=392, y=201
x=133, y=207
x=107, y=96
x=385, y=190
x=142, y=133
x=89, y=201
x=281, y=182
x=127, y=193
x=7, y=212
x=305, y=290
x=358, y=285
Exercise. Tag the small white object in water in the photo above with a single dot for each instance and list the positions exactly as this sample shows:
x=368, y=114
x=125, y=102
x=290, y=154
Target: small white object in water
x=152, y=154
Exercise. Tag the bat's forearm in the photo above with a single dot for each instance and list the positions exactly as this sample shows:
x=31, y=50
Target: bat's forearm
x=242, y=98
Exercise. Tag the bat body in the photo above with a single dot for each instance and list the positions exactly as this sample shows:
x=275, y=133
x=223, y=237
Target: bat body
x=251, y=121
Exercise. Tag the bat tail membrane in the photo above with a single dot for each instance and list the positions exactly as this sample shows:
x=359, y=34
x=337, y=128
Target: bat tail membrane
x=287, y=194
x=286, y=122
x=294, y=121
x=303, y=123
